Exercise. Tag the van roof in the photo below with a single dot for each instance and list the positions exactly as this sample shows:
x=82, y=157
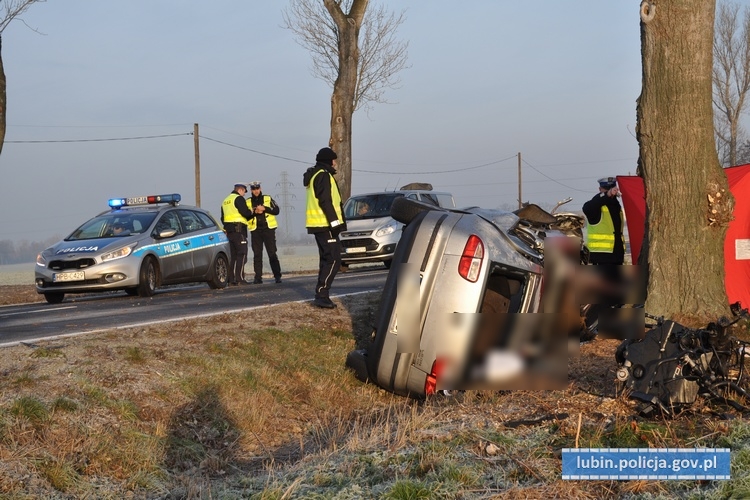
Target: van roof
x=403, y=191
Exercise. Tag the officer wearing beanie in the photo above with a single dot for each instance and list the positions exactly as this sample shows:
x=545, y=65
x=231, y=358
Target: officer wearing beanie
x=263, y=232
x=325, y=220
x=605, y=225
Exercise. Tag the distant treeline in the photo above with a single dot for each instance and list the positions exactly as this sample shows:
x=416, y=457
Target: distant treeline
x=14, y=252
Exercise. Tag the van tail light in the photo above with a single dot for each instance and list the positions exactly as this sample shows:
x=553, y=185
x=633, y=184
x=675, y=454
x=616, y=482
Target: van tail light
x=430, y=385
x=471, y=259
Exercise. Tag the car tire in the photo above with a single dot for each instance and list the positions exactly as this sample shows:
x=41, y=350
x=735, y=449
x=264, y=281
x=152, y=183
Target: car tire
x=131, y=291
x=54, y=297
x=219, y=274
x=404, y=209
x=148, y=279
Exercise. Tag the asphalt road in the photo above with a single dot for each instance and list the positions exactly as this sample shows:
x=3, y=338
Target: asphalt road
x=82, y=314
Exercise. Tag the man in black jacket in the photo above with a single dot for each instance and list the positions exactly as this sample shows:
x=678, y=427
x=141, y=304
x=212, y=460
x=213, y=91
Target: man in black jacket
x=325, y=220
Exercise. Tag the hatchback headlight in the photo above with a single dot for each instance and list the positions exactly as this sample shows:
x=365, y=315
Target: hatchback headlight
x=117, y=254
x=389, y=228
x=40, y=260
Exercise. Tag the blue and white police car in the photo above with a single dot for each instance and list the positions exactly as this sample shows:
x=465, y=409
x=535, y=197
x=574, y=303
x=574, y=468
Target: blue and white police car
x=141, y=243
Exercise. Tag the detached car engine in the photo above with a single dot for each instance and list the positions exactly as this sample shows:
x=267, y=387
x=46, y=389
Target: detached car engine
x=672, y=365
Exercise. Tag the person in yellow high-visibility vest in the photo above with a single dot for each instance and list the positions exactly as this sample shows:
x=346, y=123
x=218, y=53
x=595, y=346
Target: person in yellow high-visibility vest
x=234, y=217
x=263, y=232
x=325, y=219
x=605, y=225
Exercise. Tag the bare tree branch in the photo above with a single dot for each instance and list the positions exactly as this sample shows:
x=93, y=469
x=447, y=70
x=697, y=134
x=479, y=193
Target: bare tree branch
x=11, y=9
x=731, y=78
x=381, y=55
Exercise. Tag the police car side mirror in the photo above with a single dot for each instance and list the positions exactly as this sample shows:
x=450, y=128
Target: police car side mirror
x=166, y=233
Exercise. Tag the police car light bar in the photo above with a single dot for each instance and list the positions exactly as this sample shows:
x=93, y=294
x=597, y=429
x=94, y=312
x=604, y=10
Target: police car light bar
x=145, y=200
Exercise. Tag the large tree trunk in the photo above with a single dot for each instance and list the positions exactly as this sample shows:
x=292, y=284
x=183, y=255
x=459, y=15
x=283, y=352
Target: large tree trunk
x=344, y=89
x=3, y=98
x=687, y=196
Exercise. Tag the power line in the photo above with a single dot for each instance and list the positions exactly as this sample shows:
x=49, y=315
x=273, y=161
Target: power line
x=550, y=178
x=101, y=140
x=440, y=171
x=253, y=150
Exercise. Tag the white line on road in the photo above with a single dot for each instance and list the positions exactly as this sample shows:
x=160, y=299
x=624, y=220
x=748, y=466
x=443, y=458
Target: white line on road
x=45, y=309
x=156, y=322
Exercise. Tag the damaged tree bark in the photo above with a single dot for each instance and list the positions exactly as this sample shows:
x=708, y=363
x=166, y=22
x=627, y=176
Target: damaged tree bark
x=687, y=196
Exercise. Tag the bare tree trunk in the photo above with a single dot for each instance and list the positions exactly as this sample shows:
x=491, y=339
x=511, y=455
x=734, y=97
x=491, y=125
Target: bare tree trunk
x=687, y=195
x=345, y=87
x=3, y=97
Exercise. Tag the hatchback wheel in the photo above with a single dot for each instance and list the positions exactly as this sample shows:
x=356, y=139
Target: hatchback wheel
x=149, y=277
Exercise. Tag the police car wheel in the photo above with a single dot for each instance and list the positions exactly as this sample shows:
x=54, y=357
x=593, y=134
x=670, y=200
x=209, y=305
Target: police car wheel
x=219, y=272
x=54, y=297
x=148, y=278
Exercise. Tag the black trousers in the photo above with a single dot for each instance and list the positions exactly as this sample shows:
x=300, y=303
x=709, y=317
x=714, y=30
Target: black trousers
x=237, y=256
x=329, y=249
x=258, y=239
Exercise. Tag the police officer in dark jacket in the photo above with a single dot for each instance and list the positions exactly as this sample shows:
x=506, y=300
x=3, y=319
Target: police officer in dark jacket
x=605, y=225
x=235, y=216
x=325, y=220
x=263, y=232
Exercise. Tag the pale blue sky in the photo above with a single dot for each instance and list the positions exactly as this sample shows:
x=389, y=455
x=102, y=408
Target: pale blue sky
x=554, y=80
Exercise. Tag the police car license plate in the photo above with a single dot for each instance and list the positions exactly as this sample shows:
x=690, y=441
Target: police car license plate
x=356, y=250
x=73, y=276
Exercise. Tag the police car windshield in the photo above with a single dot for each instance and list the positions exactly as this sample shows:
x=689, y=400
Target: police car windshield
x=113, y=225
x=370, y=206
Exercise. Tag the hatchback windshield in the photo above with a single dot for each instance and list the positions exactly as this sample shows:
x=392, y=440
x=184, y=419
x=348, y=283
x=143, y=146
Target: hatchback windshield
x=370, y=206
x=112, y=226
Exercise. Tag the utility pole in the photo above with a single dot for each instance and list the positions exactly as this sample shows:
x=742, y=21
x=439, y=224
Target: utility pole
x=520, y=198
x=196, y=137
x=286, y=198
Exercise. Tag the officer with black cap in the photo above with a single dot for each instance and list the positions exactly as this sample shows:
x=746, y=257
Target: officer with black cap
x=605, y=224
x=325, y=220
x=235, y=215
x=263, y=232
